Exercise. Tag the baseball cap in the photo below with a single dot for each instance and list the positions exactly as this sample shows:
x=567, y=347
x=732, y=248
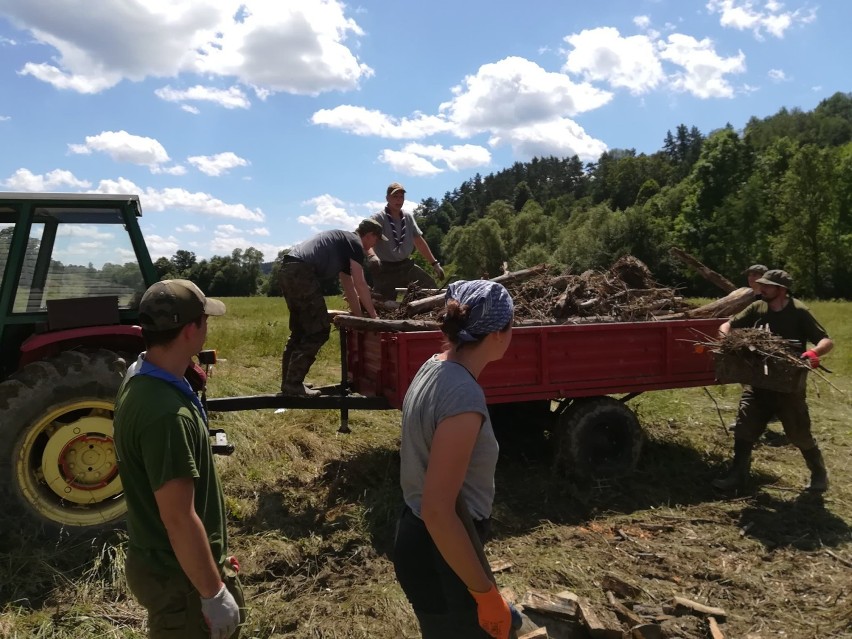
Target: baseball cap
x=175, y=303
x=755, y=268
x=394, y=187
x=369, y=225
x=777, y=277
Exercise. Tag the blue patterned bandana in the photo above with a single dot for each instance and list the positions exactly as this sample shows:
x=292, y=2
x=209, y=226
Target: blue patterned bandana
x=491, y=307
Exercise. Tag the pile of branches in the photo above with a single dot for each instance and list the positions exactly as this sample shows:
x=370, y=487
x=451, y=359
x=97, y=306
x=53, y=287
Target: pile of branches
x=759, y=346
x=625, y=292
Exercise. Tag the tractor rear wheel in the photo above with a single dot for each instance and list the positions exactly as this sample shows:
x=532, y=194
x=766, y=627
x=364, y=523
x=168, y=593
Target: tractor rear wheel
x=597, y=438
x=56, y=440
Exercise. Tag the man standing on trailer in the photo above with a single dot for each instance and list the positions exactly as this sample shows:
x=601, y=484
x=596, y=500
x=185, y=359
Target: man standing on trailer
x=779, y=313
x=390, y=262
x=326, y=255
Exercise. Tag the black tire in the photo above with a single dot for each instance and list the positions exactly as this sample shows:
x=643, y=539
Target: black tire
x=598, y=438
x=57, y=457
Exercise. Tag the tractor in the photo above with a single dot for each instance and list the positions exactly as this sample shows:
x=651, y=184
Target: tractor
x=73, y=267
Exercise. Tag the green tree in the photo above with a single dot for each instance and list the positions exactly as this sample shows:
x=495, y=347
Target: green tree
x=476, y=250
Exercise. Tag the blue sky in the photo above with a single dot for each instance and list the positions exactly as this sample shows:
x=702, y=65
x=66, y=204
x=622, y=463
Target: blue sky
x=258, y=123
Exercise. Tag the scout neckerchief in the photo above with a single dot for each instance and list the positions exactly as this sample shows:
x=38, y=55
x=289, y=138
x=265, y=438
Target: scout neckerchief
x=399, y=238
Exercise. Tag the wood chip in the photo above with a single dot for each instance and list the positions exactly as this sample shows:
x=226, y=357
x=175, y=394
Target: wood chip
x=619, y=586
x=550, y=604
x=646, y=631
x=623, y=612
x=683, y=606
x=539, y=633
x=500, y=566
x=600, y=622
x=715, y=631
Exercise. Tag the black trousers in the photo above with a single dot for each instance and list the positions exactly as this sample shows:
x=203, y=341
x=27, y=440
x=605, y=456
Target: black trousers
x=444, y=607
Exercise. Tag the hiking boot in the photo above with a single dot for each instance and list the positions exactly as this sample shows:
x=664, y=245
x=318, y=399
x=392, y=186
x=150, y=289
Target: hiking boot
x=738, y=474
x=297, y=389
x=819, y=474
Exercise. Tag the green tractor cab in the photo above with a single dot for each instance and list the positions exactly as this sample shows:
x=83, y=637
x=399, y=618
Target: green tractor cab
x=73, y=267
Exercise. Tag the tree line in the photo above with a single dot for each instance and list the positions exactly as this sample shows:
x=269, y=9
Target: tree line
x=779, y=192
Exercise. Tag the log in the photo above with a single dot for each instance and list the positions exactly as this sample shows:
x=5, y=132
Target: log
x=381, y=325
x=428, y=303
x=727, y=306
x=616, y=584
x=623, y=612
x=708, y=274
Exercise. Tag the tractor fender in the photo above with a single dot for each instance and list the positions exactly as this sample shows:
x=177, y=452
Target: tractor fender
x=118, y=338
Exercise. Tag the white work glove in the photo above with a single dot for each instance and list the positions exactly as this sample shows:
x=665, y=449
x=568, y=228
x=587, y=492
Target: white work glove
x=439, y=271
x=221, y=613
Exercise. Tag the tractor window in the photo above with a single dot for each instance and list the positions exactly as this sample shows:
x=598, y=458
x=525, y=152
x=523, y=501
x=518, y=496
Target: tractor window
x=65, y=260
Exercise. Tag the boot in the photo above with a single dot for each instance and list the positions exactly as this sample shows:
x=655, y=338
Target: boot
x=819, y=475
x=738, y=474
x=298, y=365
x=296, y=389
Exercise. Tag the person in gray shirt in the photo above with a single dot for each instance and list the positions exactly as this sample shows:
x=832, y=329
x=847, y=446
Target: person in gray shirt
x=448, y=453
x=389, y=262
x=325, y=256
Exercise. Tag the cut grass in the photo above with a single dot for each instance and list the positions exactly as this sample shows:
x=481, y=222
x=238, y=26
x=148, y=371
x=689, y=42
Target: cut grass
x=312, y=514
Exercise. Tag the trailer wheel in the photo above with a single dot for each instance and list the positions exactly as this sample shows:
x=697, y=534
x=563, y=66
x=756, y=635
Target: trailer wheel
x=56, y=449
x=598, y=438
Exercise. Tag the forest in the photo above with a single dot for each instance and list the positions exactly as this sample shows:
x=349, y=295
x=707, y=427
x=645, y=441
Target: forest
x=779, y=192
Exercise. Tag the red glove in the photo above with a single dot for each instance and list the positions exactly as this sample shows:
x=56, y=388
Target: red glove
x=235, y=564
x=812, y=357
x=495, y=618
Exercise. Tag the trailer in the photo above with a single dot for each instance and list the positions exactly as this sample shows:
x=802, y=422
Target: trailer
x=559, y=378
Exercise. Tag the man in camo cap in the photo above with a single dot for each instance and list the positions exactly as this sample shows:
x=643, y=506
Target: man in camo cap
x=177, y=563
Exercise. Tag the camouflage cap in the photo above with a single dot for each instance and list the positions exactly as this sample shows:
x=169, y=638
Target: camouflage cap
x=756, y=268
x=394, y=187
x=777, y=277
x=174, y=303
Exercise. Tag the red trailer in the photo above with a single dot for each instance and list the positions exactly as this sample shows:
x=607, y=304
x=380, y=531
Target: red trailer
x=559, y=377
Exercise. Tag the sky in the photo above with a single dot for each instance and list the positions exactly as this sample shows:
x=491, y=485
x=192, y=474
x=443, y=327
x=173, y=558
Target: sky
x=259, y=123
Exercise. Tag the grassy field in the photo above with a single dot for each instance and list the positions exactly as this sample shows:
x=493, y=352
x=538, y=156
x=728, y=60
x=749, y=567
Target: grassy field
x=312, y=515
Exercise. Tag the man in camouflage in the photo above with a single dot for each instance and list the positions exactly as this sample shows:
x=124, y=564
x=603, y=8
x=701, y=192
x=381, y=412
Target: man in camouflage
x=327, y=255
x=779, y=313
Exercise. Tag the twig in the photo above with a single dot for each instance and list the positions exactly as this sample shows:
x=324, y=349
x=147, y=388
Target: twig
x=843, y=561
x=718, y=410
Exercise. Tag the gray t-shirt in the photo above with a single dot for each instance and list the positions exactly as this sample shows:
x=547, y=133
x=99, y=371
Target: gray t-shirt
x=442, y=389
x=400, y=242
x=329, y=252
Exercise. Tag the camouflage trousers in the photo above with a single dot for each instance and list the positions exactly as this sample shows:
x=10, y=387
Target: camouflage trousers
x=389, y=276
x=173, y=603
x=309, y=324
x=758, y=406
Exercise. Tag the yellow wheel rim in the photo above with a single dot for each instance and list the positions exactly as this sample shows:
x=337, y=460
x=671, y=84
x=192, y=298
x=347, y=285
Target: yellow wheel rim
x=67, y=465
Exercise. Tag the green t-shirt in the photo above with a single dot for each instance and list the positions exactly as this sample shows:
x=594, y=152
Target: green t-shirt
x=160, y=435
x=793, y=322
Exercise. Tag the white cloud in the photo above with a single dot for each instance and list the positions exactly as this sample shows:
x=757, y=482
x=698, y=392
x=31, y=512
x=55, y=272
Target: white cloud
x=190, y=109
x=643, y=22
x=232, y=98
x=777, y=75
x=159, y=246
x=562, y=137
x=418, y=159
x=516, y=92
x=361, y=121
x=56, y=180
x=177, y=169
x=216, y=165
x=5, y=118
x=188, y=228
x=260, y=232
x=328, y=211
x=704, y=70
x=603, y=55
x=122, y=146
x=742, y=15
x=298, y=47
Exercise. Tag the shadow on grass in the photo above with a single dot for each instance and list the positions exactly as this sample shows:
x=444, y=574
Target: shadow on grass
x=802, y=523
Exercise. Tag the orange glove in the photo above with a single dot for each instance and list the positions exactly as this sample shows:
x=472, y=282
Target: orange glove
x=812, y=357
x=493, y=612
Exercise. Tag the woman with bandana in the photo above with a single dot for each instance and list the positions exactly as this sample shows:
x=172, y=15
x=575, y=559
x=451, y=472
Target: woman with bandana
x=448, y=451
